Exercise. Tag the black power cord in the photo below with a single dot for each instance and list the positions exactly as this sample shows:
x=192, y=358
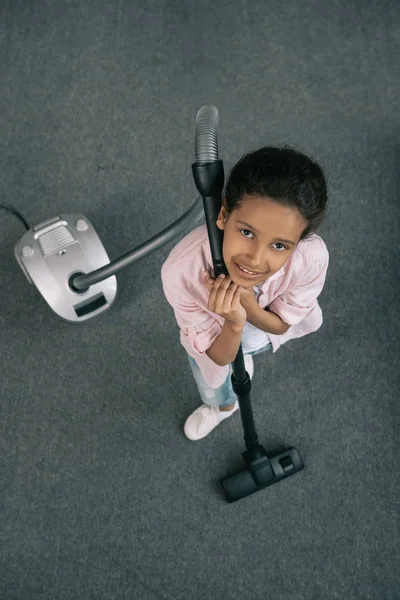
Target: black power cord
x=15, y=212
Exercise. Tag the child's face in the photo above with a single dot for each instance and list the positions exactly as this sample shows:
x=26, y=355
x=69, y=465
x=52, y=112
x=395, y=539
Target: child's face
x=260, y=245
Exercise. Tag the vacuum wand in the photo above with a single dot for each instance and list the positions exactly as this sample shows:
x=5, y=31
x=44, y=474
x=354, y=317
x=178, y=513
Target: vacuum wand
x=208, y=173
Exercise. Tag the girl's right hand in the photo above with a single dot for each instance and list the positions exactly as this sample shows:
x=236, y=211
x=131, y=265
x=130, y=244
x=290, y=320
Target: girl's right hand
x=225, y=299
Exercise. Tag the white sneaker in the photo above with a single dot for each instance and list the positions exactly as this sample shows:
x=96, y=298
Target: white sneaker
x=204, y=419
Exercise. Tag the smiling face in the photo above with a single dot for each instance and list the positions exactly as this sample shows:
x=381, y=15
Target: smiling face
x=260, y=235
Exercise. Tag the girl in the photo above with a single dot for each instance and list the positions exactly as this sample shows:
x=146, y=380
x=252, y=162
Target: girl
x=274, y=200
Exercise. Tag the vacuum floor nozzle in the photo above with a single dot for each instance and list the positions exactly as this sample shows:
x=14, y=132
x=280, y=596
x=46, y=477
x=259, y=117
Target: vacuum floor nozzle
x=261, y=473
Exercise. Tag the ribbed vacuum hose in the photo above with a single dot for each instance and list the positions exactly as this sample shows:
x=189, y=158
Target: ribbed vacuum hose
x=206, y=135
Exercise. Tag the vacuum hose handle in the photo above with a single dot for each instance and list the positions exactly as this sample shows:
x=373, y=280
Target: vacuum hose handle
x=208, y=173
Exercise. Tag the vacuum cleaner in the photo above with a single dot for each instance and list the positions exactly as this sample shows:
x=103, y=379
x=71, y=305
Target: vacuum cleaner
x=67, y=262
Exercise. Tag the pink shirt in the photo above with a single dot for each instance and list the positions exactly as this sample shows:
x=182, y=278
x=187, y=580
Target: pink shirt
x=291, y=293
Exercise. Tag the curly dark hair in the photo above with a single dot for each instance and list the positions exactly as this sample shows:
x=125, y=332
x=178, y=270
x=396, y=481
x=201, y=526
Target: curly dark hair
x=284, y=175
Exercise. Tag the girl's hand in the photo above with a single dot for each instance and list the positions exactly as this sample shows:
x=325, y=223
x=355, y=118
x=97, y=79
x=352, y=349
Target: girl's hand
x=248, y=299
x=224, y=299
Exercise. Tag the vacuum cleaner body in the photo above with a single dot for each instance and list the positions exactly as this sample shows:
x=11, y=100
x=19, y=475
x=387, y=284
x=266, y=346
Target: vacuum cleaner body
x=52, y=252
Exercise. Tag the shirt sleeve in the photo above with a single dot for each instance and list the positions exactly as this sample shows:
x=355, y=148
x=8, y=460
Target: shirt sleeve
x=199, y=329
x=298, y=302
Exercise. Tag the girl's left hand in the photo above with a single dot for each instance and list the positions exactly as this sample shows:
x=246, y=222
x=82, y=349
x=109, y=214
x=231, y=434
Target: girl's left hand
x=248, y=299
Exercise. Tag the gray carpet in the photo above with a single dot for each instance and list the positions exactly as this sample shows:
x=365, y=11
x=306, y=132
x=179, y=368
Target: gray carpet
x=102, y=496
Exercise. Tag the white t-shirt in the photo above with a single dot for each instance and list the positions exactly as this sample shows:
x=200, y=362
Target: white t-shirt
x=252, y=337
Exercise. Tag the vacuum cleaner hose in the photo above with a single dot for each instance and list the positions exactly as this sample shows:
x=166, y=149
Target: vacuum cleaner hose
x=208, y=174
x=190, y=218
x=209, y=182
x=206, y=136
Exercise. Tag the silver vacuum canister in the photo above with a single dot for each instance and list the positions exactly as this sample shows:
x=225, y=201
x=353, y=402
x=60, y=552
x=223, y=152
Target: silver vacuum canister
x=54, y=250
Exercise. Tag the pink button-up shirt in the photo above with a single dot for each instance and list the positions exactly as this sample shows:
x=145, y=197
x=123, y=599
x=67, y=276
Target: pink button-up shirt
x=291, y=293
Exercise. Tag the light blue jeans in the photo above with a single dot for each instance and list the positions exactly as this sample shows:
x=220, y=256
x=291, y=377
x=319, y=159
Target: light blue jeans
x=224, y=395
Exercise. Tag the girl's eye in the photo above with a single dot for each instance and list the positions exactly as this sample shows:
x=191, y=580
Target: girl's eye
x=279, y=244
x=276, y=243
